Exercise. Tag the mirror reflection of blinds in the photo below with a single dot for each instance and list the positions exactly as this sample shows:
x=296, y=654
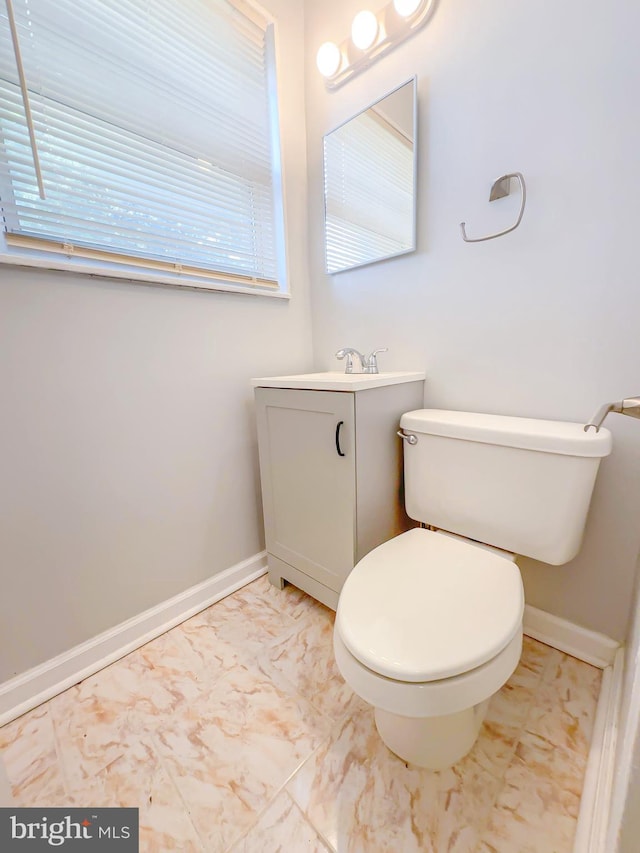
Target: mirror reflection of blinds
x=368, y=192
x=153, y=128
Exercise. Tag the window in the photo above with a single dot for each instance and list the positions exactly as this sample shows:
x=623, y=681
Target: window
x=155, y=127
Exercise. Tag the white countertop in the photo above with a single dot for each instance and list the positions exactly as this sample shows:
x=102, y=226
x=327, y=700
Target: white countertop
x=337, y=381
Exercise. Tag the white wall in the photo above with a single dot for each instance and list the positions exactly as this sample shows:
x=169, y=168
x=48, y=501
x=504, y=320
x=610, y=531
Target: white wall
x=127, y=442
x=542, y=322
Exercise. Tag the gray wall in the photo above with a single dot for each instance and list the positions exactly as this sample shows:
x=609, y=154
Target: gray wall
x=543, y=322
x=127, y=441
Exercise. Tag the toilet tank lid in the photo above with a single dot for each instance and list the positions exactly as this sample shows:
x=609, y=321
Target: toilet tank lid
x=569, y=439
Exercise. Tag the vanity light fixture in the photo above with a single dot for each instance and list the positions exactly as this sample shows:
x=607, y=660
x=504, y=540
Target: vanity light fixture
x=364, y=30
x=329, y=59
x=372, y=35
x=406, y=8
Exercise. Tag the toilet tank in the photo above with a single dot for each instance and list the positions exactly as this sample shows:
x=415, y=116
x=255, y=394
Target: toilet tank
x=520, y=484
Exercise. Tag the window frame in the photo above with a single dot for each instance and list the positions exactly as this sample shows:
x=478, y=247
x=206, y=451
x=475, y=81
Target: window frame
x=16, y=251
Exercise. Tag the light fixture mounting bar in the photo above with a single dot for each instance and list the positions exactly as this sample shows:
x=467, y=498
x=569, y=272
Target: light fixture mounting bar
x=393, y=29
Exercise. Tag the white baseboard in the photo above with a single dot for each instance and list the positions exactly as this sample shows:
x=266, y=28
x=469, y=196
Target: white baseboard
x=31, y=688
x=589, y=646
x=593, y=828
x=629, y=734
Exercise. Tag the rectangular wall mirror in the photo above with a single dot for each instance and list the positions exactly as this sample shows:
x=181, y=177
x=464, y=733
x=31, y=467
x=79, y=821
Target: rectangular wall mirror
x=370, y=183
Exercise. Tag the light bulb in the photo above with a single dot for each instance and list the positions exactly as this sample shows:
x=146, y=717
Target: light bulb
x=407, y=8
x=328, y=59
x=364, y=29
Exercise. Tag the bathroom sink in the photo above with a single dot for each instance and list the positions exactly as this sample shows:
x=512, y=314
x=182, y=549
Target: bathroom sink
x=337, y=381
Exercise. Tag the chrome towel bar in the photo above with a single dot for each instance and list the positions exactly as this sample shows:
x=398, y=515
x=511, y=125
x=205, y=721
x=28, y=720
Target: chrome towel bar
x=629, y=406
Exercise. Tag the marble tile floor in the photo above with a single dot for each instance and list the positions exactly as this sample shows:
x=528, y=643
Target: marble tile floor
x=235, y=732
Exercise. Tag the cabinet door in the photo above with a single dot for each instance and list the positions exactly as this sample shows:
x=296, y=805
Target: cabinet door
x=308, y=489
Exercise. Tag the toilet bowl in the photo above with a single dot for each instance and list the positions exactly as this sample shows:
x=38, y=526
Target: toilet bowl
x=430, y=648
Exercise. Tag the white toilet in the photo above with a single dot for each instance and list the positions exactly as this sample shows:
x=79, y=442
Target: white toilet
x=429, y=624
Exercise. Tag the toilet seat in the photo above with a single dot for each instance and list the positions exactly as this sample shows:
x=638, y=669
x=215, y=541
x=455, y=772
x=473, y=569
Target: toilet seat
x=429, y=698
x=425, y=607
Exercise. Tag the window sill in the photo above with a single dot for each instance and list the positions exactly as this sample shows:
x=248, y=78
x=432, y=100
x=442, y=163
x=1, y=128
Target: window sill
x=133, y=274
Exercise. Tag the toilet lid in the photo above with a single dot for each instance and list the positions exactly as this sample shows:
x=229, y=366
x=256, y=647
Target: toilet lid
x=424, y=606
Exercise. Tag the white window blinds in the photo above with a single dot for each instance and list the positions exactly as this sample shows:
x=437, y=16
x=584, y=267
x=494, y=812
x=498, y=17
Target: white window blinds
x=156, y=135
x=368, y=182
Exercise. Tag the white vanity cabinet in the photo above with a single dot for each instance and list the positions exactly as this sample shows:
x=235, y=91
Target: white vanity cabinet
x=331, y=472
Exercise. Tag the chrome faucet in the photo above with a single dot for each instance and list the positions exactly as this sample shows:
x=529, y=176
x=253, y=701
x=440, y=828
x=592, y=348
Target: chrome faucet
x=371, y=361
x=368, y=364
x=348, y=353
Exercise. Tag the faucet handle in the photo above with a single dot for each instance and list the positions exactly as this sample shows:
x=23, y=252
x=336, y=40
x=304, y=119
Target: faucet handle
x=371, y=363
